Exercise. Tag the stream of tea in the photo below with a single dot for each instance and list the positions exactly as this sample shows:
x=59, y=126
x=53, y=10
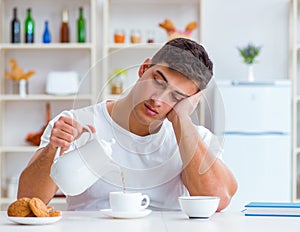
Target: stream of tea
x=123, y=180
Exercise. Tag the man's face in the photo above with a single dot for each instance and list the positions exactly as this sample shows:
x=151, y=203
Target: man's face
x=157, y=91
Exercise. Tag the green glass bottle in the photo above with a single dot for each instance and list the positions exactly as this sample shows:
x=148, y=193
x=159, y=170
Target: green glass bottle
x=81, y=27
x=29, y=28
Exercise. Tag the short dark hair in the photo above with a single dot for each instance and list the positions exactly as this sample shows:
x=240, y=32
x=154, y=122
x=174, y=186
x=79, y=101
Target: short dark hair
x=187, y=57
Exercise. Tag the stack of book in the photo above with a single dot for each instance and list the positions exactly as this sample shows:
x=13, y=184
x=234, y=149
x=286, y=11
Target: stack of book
x=283, y=209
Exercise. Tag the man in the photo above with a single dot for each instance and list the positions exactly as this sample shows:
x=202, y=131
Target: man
x=163, y=154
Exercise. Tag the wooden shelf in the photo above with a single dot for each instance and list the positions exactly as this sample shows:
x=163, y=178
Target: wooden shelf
x=44, y=97
x=51, y=46
x=143, y=2
x=18, y=149
x=140, y=46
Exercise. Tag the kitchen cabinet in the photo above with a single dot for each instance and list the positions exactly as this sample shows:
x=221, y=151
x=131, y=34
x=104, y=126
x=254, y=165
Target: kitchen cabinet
x=295, y=77
x=20, y=115
x=23, y=114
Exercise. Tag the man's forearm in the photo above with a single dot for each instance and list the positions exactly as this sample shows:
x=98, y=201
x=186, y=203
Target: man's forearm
x=203, y=174
x=35, y=180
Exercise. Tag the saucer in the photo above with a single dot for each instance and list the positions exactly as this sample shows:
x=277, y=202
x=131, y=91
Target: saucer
x=126, y=215
x=34, y=220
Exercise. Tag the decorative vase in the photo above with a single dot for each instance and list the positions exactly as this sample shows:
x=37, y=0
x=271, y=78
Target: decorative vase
x=250, y=73
x=20, y=87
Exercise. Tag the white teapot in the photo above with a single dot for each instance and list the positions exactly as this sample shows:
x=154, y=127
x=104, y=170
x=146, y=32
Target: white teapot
x=77, y=170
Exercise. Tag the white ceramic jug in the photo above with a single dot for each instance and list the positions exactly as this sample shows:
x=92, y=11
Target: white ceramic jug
x=77, y=170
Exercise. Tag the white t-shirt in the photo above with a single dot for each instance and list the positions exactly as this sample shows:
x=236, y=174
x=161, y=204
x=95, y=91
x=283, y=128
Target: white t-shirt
x=151, y=164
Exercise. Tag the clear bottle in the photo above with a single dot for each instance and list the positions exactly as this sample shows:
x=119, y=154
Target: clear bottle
x=64, y=30
x=81, y=32
x=15, y=28
x=29, y=27
x=46, y=35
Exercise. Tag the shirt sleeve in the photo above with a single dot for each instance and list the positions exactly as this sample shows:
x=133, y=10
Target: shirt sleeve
x=211, y=141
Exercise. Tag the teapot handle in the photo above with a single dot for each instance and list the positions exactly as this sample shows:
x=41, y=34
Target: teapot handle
x=57, y=153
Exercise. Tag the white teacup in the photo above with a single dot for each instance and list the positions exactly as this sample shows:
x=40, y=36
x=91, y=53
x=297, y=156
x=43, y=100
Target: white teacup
x=128, y=201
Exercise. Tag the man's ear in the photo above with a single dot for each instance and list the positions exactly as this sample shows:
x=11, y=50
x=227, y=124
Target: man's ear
x=144, y=67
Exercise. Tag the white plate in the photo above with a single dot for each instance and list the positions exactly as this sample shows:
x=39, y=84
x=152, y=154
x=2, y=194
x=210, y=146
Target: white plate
x=126, y=215
x=34, y=220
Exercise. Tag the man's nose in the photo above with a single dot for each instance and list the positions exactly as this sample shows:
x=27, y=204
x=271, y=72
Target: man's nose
x=160, y=97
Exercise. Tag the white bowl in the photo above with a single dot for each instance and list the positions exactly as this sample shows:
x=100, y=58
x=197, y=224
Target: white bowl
x=199, y=206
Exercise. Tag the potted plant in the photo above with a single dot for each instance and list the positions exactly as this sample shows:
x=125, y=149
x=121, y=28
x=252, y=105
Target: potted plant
x=116, y=80
x=249, y=53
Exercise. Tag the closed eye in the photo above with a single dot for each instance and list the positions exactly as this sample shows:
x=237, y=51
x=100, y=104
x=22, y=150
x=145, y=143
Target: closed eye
x=177, y=98
x=159, y=81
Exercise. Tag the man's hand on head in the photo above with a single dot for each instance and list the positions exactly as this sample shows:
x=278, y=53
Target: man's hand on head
x=185, y=107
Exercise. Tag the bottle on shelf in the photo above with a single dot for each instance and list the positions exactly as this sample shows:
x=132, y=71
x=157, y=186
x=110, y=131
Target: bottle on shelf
x=15, y=28
x=81, y=32
x=46, y=35
x=64, y=30
x=150, y=36
x=29, y=27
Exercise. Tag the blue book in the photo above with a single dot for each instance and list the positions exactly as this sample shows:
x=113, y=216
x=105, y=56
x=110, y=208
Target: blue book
x=283, y=209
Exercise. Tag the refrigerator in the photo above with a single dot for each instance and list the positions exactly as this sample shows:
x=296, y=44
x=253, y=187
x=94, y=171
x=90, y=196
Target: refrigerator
x=253, y=122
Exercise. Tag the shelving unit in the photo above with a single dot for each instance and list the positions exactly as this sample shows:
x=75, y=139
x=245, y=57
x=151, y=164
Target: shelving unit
x=15, y=152
x=21, y=115
x=295, y=77
x=129, y=55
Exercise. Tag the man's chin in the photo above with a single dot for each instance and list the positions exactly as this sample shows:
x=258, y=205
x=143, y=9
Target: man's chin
x=155, y=126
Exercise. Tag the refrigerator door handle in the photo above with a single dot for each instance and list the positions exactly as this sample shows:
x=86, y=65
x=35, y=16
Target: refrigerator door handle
x=243, y=133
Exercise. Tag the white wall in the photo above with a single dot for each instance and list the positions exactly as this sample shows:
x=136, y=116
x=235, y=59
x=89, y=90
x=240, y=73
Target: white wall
x=232, y=23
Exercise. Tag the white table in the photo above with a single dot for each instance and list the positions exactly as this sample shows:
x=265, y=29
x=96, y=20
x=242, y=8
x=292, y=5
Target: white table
x=157, y=222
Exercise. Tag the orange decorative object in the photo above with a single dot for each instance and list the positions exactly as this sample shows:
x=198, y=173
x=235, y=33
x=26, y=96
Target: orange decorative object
x=173, y=32
x=17, y=72
x=179, y=34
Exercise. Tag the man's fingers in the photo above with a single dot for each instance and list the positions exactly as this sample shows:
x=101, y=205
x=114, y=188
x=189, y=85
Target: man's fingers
x=93, y=130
